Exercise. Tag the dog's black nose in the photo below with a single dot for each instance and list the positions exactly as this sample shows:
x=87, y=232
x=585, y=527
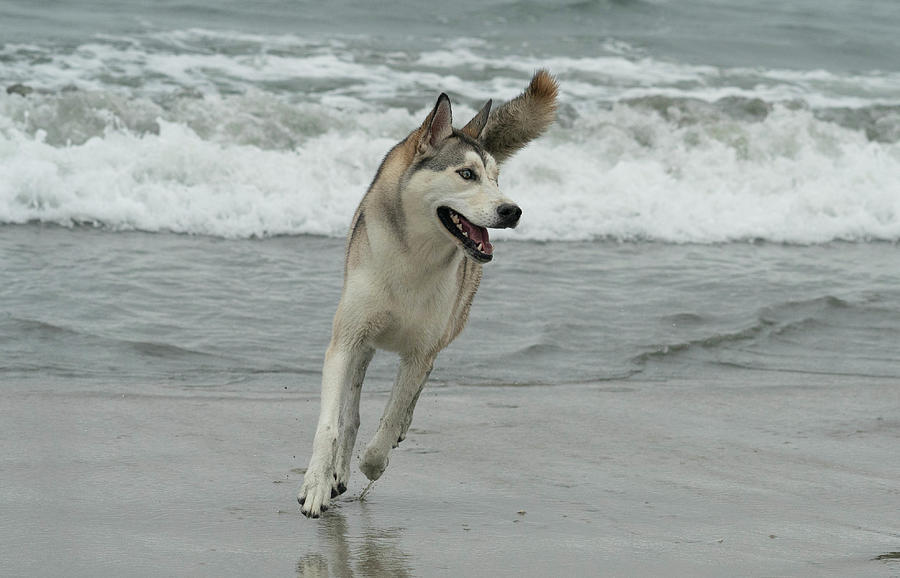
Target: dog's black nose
x=509, y=215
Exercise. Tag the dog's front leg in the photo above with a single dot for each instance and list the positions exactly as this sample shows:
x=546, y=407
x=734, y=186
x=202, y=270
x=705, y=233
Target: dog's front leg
x=410, y=379
x=349, y=424
x=340, y=364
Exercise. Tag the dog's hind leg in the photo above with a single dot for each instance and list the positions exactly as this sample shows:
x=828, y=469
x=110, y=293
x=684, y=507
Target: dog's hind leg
x=407, y=418
x=397, y=414
x=319, y=480
x=349, y=425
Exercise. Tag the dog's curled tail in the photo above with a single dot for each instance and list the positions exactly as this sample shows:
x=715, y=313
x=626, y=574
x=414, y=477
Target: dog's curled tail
x=522, y=119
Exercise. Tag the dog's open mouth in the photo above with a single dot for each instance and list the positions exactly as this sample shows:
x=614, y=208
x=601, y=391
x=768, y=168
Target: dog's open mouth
x=474, y=239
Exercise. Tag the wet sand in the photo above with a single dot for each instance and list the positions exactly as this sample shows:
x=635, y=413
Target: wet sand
x=614, y=479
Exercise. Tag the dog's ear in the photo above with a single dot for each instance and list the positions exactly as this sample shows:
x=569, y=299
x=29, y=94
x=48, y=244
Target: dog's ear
x=437, y=126
x=476, y=125
x=521, y=120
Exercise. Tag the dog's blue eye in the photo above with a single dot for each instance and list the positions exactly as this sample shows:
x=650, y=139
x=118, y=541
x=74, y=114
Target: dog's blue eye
x=467, y=174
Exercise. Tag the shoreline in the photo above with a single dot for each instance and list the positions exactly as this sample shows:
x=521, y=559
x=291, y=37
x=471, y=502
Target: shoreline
x=629, y=477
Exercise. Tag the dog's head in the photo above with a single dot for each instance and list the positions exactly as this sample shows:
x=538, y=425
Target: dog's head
x=456, y=171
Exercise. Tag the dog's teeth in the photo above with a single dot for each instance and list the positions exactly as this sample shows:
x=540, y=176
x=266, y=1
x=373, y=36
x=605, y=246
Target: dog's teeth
x=465, y=234
x=455, y=218
x=459, y=226
x=481, y=246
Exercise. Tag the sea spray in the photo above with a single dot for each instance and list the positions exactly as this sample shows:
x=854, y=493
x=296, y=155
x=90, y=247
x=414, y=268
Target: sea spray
x=239, y=135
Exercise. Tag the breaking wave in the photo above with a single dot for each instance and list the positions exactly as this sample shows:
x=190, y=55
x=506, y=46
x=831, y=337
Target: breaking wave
x=244, y=136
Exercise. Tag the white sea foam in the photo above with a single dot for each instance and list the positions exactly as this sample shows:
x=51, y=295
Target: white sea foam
x=789, y=178
x=176, y=181
x=239, y=135
x=624, y=173
x=617, y=75
x=228, y=62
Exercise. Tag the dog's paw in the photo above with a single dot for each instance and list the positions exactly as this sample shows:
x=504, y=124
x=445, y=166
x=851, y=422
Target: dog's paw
x=315, y=493
x=341, y=479
x=374, y=462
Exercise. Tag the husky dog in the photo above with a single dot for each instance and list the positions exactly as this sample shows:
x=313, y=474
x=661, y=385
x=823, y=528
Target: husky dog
x=413, y=263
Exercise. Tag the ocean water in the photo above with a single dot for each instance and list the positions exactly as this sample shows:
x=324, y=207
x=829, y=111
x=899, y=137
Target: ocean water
x=719, y=199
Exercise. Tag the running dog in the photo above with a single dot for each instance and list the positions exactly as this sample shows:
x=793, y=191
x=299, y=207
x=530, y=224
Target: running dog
x=413, y=263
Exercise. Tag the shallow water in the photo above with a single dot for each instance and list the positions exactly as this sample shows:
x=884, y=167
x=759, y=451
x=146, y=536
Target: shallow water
x=92, y=307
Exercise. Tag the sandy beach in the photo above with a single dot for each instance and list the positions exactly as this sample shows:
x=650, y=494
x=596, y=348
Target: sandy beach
x=612, y=479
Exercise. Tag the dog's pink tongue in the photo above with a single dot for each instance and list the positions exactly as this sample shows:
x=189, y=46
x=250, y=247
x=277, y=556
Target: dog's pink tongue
x=478, y=235
x=488, y=249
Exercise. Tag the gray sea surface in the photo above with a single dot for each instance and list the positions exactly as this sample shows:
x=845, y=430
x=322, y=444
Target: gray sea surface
x=88, y=308
x=805, y=34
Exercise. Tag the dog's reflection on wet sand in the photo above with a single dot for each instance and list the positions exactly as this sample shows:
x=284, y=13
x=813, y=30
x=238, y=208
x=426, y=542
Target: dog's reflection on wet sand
x=343, y=551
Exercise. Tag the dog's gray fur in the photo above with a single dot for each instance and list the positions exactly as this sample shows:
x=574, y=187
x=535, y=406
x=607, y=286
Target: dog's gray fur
x=409, y=280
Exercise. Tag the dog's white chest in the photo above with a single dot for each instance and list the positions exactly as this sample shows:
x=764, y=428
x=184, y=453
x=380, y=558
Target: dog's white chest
x=419, y=316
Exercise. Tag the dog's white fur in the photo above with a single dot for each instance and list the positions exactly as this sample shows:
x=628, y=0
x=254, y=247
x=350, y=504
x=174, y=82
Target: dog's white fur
x=409, y=281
